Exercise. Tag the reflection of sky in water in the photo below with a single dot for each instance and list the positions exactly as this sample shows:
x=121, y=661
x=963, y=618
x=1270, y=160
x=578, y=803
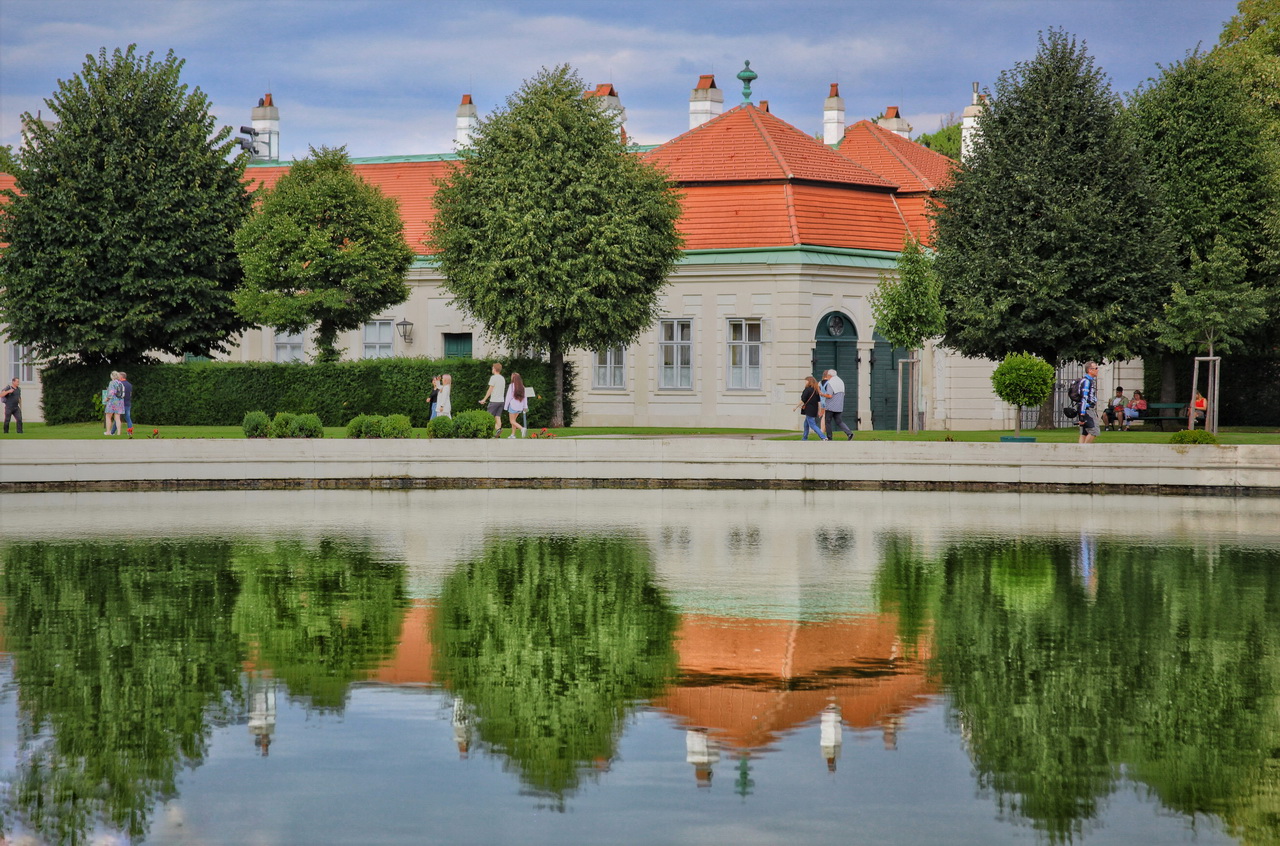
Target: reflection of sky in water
x=757, y=571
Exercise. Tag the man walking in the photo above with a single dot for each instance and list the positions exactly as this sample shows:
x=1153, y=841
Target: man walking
x=11, y=396
x=495, y=396
x=1089, y=403
x=835, y=405
x=128, y=401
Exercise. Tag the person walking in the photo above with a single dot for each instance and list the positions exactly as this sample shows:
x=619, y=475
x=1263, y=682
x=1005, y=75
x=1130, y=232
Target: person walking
x=434, y=400
x=516, y=402
x=808, y=406
x=493, y=397
x=113, y=405
x=444, y=400
x=11, y=396
x=1089, y=404
x=835, y=406
x=128, y=402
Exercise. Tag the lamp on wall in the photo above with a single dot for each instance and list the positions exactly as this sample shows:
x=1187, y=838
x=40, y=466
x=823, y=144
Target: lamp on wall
x=405, y=328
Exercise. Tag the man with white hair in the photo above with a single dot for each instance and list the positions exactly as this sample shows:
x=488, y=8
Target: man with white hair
x=834, y=395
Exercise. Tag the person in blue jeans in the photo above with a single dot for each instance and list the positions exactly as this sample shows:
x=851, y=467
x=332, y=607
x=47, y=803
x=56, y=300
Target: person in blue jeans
x=808, y=406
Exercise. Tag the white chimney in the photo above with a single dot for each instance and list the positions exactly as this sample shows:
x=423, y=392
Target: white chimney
x=894, y=122
x=833, y=117
x=468, y=120
x=266, y=120
x=706, y=101
x=969, y=124
x=606, y=97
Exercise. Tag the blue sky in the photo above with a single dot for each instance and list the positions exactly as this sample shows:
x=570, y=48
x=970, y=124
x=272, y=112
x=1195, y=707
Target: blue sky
x=384, y=77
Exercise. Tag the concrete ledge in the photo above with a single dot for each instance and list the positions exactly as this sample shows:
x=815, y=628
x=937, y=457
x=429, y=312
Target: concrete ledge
x=637, y=463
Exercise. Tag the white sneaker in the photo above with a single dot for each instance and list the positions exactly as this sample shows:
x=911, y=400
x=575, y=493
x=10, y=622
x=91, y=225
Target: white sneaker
x=511, y=436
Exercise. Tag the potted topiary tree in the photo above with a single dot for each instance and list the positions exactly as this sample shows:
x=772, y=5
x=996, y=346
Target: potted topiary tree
x=1022, y=379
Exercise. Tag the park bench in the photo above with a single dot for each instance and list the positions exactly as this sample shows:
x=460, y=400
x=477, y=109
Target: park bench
x=1162, y=411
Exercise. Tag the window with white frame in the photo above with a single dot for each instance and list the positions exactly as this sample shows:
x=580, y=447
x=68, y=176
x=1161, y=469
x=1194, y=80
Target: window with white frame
x=20, y=366
x=675, y=353
x=378, y=339
x=289, y=346
x=610, y=370
x=744, y=353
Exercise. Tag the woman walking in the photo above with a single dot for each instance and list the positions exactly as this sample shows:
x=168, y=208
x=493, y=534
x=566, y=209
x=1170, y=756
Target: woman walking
x=808, y=406
x=444, y=404
x=113, y=405
x=515, y=404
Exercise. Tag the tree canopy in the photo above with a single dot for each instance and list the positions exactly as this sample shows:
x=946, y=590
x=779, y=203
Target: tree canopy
x=1049, y=238
x=1202, y=138
x=551, y=233
x=325, y=248
x=119, y=236
x=906, y=306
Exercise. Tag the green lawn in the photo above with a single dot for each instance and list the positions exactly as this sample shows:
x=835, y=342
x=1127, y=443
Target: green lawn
x=1230, y=435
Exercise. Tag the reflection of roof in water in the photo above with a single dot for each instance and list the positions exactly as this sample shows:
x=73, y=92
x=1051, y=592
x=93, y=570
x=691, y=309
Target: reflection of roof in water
x=749, y=681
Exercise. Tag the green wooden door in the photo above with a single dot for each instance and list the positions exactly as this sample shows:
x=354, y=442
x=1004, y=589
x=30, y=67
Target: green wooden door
x=835, y=347
x=884, y=384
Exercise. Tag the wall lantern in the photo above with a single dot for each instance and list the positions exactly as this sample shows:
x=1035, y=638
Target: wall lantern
x=405, y=328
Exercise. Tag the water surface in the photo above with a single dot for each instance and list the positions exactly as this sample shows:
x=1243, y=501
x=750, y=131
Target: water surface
x=638, y=667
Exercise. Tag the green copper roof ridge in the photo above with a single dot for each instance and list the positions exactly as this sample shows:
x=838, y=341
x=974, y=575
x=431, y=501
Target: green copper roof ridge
x=796, y=248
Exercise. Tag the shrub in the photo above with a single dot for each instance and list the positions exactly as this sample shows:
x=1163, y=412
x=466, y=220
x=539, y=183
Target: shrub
x=441, y=427
x=372, y=426
x=397, y=426
x=1023, y=380
x=308, y=426
x=1193, y=436
x=282, y=425
x=473, y=424
x=355, y=426
x=218, y=393
x=256, y=424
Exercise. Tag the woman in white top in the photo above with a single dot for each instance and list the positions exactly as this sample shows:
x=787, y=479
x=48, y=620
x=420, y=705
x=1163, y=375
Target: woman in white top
x=515, y=404
x=444, y=406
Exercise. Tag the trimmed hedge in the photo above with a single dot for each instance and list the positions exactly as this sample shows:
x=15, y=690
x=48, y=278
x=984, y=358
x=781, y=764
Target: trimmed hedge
x=1193, y=436
x=473, y=424
x=256, y=424
x=221, y=393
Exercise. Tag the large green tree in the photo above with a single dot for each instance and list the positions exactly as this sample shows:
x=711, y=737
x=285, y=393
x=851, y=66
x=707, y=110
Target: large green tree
x=551, y=234
x=119, y=236
x=1049, y=238
x=326, y=248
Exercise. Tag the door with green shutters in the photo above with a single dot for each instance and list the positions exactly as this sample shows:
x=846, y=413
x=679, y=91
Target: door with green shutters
x=884, y=384
x=835, y=347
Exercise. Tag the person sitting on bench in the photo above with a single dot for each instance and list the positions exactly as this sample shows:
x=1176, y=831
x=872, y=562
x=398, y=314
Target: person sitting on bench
x=1135, y=409
x=1114, y=412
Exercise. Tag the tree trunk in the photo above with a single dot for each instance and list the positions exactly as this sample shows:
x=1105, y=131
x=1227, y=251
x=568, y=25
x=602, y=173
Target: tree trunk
x=326, y=343
x=557, y=390
x=1017, y=421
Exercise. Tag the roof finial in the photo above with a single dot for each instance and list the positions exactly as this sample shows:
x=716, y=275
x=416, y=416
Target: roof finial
x=748, y=76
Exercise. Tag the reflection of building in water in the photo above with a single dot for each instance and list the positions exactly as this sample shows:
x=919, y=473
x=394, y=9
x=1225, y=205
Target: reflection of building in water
x=702, y=751
x=830, y=733
x=262, y=711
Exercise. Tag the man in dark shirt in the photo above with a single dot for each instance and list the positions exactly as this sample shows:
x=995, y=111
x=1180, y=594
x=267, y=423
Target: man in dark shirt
x=11, y=396
x=128, y=401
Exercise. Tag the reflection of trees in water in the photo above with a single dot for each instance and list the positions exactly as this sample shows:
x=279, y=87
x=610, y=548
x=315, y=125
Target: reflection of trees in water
x=550, y=641
x=126, y=657
x=124, y=661
x=1159, y=661
x=319, y=617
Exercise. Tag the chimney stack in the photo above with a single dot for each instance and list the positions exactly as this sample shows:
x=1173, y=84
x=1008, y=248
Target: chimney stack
x=833, y=117
x=607, y=98
x=468, y=120
x=969, y=123
x=266, y=119
x=894, y=122
x=706, y=101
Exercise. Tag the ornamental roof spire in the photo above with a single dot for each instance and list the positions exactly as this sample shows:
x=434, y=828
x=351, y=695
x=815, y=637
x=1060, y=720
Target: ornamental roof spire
x=748, y=76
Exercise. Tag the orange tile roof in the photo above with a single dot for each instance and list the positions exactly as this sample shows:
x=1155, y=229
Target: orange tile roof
x=912, y=166
x=747, y=144
x=411, y=183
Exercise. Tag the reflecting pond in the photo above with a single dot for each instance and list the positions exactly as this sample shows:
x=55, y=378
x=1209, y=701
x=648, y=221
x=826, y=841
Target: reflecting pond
x=638, y=667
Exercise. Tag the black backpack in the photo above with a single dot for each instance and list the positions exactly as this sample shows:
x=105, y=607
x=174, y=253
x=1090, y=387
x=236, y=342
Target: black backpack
x=1075, y=391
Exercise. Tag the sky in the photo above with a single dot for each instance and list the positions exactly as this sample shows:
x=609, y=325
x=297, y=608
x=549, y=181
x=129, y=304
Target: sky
x=385, y=77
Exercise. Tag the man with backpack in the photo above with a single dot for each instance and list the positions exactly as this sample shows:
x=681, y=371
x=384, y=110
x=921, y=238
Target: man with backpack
x=1088, y=390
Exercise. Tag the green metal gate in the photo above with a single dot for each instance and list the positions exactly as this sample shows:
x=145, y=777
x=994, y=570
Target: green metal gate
x=884, y=384
x=835, y=347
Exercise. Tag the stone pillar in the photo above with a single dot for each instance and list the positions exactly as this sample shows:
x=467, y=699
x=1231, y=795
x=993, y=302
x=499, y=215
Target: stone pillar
x=864, y=386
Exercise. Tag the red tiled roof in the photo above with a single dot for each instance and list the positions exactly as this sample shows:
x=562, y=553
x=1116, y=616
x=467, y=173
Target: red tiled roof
x=912, y=166
x=411, y=183
x=747, y=144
